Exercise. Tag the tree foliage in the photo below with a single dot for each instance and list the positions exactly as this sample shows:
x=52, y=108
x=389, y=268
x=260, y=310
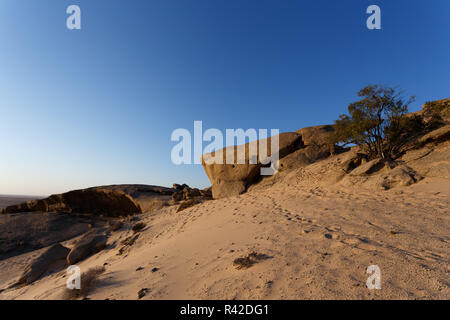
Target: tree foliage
x=377, y=122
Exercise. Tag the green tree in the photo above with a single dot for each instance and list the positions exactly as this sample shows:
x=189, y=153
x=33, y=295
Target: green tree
x=377, y=122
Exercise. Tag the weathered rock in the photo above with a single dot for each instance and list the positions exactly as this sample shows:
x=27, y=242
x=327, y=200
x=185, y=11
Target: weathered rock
x=416, y=154
x=95, y=201
x=435, y=162
x=316, y=146
x=88, y=245
x=206, y=193
x=436, y=136
x=370, y=167
x=401, y=176
x=179, y=187
x=228, y=188
x=138, y=227
x=56, y=253
x=229, y=179
x=316, y=136
x=136, y=190
x=187, y=193
x=187, y=204
x=116, y=225
x=354, y=161
x=384, y=178
x=178, y=196
x=191, y=193
x=29, y=206
x=304, y=157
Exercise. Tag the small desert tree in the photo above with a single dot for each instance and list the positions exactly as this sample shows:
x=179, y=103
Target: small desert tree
x=377, y=122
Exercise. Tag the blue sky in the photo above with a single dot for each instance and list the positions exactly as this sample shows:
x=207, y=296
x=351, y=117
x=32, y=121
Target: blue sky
x=97, y=106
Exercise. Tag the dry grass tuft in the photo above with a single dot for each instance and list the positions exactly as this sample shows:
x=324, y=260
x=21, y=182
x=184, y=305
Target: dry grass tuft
x=89, y=280
x=250, y=260
x=188, y=204
x=138, y=227
x=116, y=225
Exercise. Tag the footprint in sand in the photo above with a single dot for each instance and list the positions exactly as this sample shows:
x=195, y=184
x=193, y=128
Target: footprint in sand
x=333, y=228
x=331, y=236
x=360, y=243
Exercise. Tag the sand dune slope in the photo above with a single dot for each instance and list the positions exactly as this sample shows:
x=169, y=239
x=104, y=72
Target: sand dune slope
x=318, y=242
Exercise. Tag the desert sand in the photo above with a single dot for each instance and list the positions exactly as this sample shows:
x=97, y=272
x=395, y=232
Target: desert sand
x=318, y=239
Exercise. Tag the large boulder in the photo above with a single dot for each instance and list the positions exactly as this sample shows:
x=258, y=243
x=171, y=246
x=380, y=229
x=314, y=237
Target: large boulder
x=400, y=176
x=88, y=245
x=304, y=157
x=379, y=174
x=135, y=190
x=317, y=135
x=370, y=167
x=316, y=146
x=353, y=160
x=436, y=136
x=234, y=178
x=184, y=192
x=95, y=201
x=431, y=162
x=148, y=197
x=56, y=253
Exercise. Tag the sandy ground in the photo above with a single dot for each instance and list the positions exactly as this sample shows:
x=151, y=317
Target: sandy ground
x=319, y=241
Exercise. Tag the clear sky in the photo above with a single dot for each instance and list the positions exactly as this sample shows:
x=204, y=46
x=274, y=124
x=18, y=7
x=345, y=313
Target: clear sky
x=97, y=106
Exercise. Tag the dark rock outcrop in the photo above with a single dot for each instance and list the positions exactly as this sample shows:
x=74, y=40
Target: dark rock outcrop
x=354, y=161
x=184, y=192
x=187, y=204
x=316, y=136
x=400, y=176
x=179, y=187
x=436, y=136
x=148, y=197
x=94, y=201
x=296, y=149
x=229, y=179
x=88, y=245
x=304, y=157
x=316, y=146
x=136, y=190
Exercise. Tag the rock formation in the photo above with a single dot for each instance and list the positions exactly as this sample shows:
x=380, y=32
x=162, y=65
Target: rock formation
x=95, y=201
x=308, y=145
x=300, y=148
x=184, y=192
x=88, y=245
x=233, y=179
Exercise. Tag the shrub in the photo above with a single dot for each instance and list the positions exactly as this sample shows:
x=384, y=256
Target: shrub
x=377, y=122
x=138, y=227
x=89, y=280
x=116, y=225
x=250, y=260
x=188, y=204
